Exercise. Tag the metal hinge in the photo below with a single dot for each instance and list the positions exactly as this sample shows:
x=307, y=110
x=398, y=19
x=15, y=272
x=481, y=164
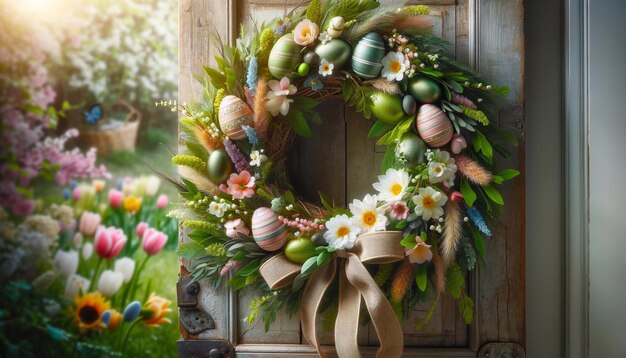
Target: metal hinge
x=501, y=350
x=192, y=318
x=205, y=348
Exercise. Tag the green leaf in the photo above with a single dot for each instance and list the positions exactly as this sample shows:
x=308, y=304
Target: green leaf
x=250, y=268
x=455, y=282
x=421, y=277
x=190, y=249
x=430, y=72
x=466, y=305
x=479, y=241
x=493, y=194
x=308, y=266
x=299, y=124
x=322, y=258
x=497, y=179
x=218, y=80
x=468, y=193
x=408, y=242
x=389, y=159
x=379, y=128
x=508, y=174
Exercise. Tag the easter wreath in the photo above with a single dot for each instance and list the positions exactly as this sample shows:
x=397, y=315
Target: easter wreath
x=424, y=228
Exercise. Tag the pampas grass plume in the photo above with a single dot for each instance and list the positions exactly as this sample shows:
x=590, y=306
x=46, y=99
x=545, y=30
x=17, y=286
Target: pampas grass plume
x=452, y=231
x=382, y=84
x=261, y=116
x=473, y=171
x=206, y=139
x=402, y=280
x=199, y=180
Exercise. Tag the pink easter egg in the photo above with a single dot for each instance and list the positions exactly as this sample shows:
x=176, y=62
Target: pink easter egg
x=234, y=113
x=268, y=232
x=434, y=126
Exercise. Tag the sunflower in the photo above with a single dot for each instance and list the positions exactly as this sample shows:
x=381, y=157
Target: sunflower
x=155, y=310
x=89, y=308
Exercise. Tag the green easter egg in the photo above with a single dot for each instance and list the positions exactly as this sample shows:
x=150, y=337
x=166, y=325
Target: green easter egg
x=284, y=57
x=219, y=166
x=424, y=90
x=303, y=69
x=335, y=51
x=368, y=55
x=299, y=250
x=311, y=58
x=387, y=107
x=409, y=105
x=410, y=150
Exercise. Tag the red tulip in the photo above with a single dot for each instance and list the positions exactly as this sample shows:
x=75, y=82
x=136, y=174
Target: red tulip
x=109, y=242
x=153, y=241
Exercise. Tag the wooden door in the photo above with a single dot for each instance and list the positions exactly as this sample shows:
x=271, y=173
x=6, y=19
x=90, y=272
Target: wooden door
x=486, y=34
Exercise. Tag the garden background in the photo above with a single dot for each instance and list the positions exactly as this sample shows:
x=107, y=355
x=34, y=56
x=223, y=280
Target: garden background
x=85, y=238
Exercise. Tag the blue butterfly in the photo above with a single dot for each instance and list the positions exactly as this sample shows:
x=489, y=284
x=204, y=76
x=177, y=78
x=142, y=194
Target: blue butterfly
x=94, y=114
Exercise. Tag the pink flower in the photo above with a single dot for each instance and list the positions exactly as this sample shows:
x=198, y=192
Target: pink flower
x=141, y=228
x=234, y=227
x=458, y=143
x=421, y=253
x=305, y=32
x=399, y=210
x=162, y=201
x=76, y=194
x=240, y=185
x=456, y=196
x=115, y=198
x=109, y=242
x=89, y=223
x=153, y=241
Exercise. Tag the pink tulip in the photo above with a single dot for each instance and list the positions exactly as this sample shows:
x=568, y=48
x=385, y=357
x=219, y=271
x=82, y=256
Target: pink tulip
x=89, y=223
x=115, y=198
x=458, y=143
x=153, y=241
x=109, y=242
x=141, y=228
x=76, y=194
x=162, y=201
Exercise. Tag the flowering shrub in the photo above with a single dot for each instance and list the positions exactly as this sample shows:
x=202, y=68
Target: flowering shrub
x=84, y=259
x=27, y=149
x=109, y=64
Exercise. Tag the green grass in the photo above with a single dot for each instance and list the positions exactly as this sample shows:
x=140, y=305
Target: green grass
x=162, y=271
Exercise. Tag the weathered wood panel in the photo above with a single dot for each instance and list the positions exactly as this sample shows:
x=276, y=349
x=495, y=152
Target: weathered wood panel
x=485, y=33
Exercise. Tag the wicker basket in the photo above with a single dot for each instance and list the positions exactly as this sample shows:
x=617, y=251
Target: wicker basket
x=117, y=139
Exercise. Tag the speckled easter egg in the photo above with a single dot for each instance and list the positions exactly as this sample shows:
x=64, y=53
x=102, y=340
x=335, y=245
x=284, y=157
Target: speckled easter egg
x=424, y=90
x=234, y=113
x=284, y=57
x=410, y=150
x=268, y=232
x=335, y=51
x=368, y=55
x=387, y=107
x=434, y=126
x=219, y=166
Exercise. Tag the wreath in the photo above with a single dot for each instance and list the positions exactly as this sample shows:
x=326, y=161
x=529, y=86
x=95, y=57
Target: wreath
x=421, y=229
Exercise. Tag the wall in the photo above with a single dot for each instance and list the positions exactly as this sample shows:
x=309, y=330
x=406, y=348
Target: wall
x=544, y=178
x=607, y=170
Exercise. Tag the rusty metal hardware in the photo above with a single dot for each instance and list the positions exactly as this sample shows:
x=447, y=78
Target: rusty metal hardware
x=501, y=350
x=196, y=320
x=205, y=348
x=187, y=292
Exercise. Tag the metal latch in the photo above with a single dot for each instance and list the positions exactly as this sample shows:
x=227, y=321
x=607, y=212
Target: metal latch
x=205, y=348
x=192, y=318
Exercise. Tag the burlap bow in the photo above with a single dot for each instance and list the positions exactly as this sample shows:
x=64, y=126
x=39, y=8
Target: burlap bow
x=354, y=282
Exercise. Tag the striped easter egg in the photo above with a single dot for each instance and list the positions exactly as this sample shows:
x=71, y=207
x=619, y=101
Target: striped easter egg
x=284, y=57
x=268, y=232
x=234, y=113
x=434, y=126
x=368, y=55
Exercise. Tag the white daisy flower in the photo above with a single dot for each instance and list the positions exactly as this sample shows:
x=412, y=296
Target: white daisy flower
x=441, y=168
x=429, y=203
x=326, y=68
x=257, y=158
x=392, y=185
x=216, y=209
x=394, y=65
x=342, y=232
x=367, y=215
